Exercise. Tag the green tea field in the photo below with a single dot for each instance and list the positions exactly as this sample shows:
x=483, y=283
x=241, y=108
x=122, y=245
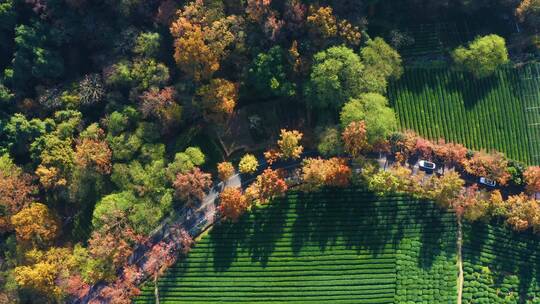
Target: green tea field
x=326, y=247
x=501, y=112
x=500, y=266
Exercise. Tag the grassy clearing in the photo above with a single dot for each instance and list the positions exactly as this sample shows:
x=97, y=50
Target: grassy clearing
x=327, y=247
x=500, y=266
x=481, y=114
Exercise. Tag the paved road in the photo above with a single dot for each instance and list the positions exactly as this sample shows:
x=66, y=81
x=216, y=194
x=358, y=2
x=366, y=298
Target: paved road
x=194, y=219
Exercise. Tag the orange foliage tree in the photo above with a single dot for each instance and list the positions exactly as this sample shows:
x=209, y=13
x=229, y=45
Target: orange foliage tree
x=232, y=203
x=318, y=172
x=217, y=99
x=322, y=24
x=355, y=138
x=225, y=170
x=202, y=41
x=532, y=179
x=523, y=213
x=269, y=185
x=94, y=154
x=16, y=193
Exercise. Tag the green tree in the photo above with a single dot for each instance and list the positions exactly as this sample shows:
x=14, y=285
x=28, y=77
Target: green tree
x=185, y=161
x=147, y=44
x=330, y=142
x=483, y=56
x=268, y=75
x=381, y=62
x=19, y=132
x=7, y=23
x=34, y=57
x=336, y=76
x=374, y=110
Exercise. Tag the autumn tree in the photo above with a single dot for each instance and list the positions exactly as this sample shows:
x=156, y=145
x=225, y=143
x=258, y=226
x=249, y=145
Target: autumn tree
x=36, y=225
x=473, y=204
x=16, y=191
x=269, y=185
x=124, y=288
x=158, y=260
x=295, y=17
x=349, y=33
x=162, y=105
x=202, y=41
x=397, y=179
x=523, y=212
x=322, y=24
x=355, y=138
x=451, y=154
x=192, y=185
x=248, y=164
x=233, y=203
x=225, y=170
x=528, y=11
x=483, y=56
x=318, y=172
x=493, y=166
x=217, y=100
x=43, y=270
x=256, y=10
x=532, y=179
x=445, y=190
x=289, y=144
x=94, y=154
x=116, y=220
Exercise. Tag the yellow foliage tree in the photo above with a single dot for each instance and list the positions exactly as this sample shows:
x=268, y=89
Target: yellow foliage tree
x=322, y=23
x=44, y=270
x=289, y=144
x=248, y=164
x=36, y=225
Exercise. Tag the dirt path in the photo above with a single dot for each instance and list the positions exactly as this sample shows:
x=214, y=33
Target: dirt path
x=459, y=261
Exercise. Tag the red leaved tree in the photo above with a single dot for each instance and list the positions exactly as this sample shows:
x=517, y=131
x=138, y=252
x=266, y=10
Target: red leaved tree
x=158, y=260
x=192, y=185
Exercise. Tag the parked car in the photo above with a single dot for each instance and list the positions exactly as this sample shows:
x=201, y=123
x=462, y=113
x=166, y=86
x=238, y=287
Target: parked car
x=488, y=182
x=424, y=164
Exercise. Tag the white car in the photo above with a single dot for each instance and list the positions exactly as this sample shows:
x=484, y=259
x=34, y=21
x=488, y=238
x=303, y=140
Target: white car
x=427, y=165
x=488, y=182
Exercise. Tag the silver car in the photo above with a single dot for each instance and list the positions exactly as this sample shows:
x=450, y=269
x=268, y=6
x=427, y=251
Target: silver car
x=424, y=164
x=488, y=182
